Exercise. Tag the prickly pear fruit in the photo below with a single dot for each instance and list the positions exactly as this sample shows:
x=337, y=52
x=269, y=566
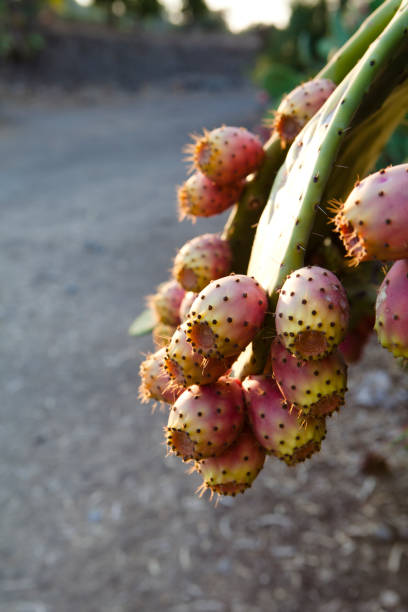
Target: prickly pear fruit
x=201, y=260
x=185, y=367
x=227, y=154
x=235, y=470
x=373, y=221
x=185, y=305
x=276, y=424
x=162, y=334
x=299, y=106
x=156, y=384
x=391, y=311
x=205, y=420
x=315, y=388
x=226, y=315
x=356, y=339
x=165, y=303
x=201, y=197
x=312, y=312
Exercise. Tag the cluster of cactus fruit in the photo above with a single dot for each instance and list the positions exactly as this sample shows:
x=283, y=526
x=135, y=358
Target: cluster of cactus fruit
x=256, y=328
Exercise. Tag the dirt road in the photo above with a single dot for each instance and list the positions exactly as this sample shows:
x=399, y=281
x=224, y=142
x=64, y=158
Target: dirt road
x=94, y=517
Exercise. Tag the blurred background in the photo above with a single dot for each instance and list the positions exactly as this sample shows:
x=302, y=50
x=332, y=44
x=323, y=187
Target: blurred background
x=98, y=99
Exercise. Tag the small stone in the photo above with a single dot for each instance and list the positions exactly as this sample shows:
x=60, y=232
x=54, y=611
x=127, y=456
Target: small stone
x=389, y=599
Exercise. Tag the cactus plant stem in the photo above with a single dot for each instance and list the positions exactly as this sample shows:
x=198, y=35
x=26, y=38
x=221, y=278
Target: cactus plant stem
x=286, y=223
x=345, y=58
x=241, y=224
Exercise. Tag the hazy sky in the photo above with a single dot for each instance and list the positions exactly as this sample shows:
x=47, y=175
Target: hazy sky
x=241, y=13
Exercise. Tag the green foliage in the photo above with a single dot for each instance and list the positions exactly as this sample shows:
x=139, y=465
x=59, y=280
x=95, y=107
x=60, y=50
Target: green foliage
x=20, y=38
x=143, y=324
x=139, y=9
x=194, y=10
x=197, y=14
x=276, y=78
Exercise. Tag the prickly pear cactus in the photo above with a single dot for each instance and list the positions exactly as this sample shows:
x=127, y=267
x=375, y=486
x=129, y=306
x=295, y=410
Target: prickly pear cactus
x=263, y=343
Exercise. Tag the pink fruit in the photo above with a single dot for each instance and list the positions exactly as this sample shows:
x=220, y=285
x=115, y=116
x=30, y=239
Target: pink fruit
x=373, y=221
x=227, y=154
x=156, y=384
x=235, y=470
x=200, y=197
x=185, y=367
x=201, y=260
x=356, y=339
x=226, y=316
x=276, y=425
x=299, y=106
x=391, y=311
x=205, y=420
x=312, y=312
x=162, y=334
x=185, y=305
x=165, y=303
x=315, y=388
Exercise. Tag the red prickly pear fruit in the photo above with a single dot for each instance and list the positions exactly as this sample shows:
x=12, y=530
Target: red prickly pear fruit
x=373, y=221
x=205, y=420
x=226, y=316
x=201, y=260
x=353, y=345
x=186, y=368
x=185, y=305
x=299, y=106
x=156, y=384
x=276, y=424
x=315, y=388
x=201, y=197
x=235, y=470
x=312, y=312
x=391, y=312
x=162, y=334
x=227, y=154
x=165, y=303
